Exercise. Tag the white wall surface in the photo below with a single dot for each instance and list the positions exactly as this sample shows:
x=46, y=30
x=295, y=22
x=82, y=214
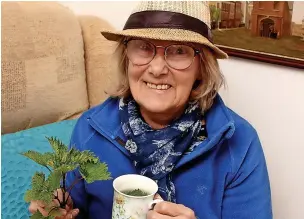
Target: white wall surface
x=271, y=97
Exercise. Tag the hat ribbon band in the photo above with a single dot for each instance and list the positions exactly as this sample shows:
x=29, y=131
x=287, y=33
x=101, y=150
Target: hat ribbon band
x=167, y=19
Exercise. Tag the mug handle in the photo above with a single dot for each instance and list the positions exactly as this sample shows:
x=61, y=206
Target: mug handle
x=154, y=202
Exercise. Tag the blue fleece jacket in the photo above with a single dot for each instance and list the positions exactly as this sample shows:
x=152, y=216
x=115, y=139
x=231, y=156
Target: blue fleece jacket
x=224, y=177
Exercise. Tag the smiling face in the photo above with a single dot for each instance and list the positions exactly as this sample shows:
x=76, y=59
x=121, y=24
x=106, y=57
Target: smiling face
x=157, y=87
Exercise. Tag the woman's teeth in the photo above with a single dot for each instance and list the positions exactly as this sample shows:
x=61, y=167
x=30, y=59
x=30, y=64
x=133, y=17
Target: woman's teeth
x=159, y=86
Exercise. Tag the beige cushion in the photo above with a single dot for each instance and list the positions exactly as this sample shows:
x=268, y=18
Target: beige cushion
x=43, y=72
x=101, y=72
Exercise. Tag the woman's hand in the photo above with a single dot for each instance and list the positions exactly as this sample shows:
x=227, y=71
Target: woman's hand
x=67, y=213
x=166, y=210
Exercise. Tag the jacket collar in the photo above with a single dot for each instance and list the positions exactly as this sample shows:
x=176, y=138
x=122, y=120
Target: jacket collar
x=219, y=120
x=219, y=124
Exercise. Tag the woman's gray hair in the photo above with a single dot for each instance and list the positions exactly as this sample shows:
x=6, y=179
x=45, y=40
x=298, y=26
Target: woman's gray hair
x=205, y=91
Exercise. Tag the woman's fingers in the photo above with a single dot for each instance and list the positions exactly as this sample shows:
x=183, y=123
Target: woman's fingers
x=35, y=205
x=44, y=212
x=63, y=214
x=156, y=199
x=66, y=213
x=154, y=214
x=167, y=208
x=72, y=214
x=59, y=197
x=59, y=194
x=69, y=201
x=75, y=212
x=174, y=210
x=69, y=215
x=157, y=196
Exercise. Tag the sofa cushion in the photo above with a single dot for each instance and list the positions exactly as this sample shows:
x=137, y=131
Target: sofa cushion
x=43, y=69
x=102, y=73
x=17, y=170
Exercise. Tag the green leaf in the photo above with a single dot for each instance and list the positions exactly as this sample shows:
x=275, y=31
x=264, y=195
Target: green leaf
x=54, y=212
x=38, y=180
x=29, y=196
x=91, y=172
x=40, y=190
x=37, y=215
x=53, y=180
x=44, y=196
x=57, y=145
x=62, y=160
x=39, y=158
x=66, y=168
x=82, y=157
x=64, y=157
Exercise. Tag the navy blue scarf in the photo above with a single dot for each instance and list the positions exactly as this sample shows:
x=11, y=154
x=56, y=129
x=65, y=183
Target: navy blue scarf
x=156, y=152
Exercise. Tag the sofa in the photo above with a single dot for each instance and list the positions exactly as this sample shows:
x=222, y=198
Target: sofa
x=54, y=66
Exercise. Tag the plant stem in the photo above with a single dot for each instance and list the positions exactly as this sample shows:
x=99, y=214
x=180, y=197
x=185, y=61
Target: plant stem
x=72, y=186
x=74, y=183
x=57, y=198
x=52, y=209
x=48, y=169
x=63, y=189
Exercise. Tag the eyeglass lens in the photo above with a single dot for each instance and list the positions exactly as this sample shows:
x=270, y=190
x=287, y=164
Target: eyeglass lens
x=177, y=56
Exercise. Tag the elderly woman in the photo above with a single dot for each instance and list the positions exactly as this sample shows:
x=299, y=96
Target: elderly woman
x=166, y=121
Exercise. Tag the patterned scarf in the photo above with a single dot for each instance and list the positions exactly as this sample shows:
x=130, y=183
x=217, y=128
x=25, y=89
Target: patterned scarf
x=156, y=152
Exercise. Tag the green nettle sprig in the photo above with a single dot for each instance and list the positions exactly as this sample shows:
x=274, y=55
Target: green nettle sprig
x=59, y=162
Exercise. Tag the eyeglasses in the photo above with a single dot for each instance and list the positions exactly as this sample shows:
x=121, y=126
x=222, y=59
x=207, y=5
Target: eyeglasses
x=177, y=56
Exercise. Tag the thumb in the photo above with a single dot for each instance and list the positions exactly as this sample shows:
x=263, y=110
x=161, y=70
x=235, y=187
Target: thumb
x=33, y=207
x=157, y=196
x=157, y=199
x=72, y=214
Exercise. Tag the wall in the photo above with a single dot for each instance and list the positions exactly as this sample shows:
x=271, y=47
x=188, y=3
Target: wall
x=271, y=97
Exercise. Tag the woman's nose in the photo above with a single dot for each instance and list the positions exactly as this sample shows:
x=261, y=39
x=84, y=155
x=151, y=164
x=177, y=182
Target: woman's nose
x=158, y=66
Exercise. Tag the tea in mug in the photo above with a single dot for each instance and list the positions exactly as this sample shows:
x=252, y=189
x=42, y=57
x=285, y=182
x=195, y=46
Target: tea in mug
x=135, y=192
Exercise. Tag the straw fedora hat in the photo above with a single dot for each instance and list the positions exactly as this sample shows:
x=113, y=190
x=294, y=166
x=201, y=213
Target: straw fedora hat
x=183, y=21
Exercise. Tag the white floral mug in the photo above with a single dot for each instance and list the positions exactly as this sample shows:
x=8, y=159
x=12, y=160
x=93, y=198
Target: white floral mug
x=130, y=206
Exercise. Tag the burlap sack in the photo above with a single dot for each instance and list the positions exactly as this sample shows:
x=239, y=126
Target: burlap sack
x=43, y=72
x=101, y=69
